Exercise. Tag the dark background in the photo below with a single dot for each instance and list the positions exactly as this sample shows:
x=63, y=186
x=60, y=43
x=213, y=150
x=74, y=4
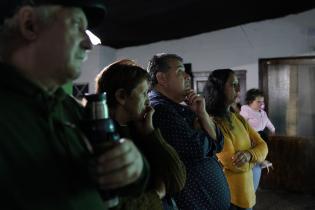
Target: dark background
x=139, y=22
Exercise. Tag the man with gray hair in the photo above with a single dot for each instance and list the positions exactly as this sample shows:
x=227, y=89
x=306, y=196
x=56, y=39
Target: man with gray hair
x=192, y=133
x=44, y=160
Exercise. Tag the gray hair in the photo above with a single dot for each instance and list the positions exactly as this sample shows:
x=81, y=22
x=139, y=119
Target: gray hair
x=160, y=63
x=10, y=36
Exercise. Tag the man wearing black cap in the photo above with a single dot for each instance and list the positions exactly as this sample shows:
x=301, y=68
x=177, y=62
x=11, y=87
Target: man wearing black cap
x=43, y=156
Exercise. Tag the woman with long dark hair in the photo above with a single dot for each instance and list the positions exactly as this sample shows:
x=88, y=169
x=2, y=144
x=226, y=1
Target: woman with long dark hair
x=243, y=146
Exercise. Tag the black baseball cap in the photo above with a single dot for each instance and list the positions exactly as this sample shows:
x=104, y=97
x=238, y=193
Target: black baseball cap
x=94, y=10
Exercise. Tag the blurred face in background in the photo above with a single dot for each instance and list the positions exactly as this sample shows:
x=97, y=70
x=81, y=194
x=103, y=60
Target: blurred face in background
x=137, y=102
x=177, y=81
x=258, y=104
x=231, y=89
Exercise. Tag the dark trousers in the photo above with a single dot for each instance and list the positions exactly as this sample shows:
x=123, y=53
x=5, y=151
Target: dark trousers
x=263, y=135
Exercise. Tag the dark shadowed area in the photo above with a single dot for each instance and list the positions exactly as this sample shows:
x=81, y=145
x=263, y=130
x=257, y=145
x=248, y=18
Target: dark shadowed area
x=139, y=22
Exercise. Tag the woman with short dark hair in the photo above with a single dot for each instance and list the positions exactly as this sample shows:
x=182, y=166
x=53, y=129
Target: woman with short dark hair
x=126, y=87
x=255, y=115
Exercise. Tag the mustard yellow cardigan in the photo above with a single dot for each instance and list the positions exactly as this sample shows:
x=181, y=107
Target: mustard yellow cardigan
x=241, y=137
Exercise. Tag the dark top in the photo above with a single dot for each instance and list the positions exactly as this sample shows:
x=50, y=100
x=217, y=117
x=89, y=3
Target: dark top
x=164, y=163
x=206, y=186
x=43, y=158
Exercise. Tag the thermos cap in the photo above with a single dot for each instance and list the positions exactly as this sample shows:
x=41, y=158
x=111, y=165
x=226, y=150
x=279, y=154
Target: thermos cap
x=95, y=97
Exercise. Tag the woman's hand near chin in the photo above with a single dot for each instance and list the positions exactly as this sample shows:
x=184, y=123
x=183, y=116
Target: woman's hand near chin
x=145, y=125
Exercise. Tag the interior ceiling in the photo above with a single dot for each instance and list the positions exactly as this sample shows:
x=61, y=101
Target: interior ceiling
x=138, y=22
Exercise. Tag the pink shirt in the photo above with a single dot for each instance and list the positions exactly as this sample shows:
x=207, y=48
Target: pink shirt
x=257, y=119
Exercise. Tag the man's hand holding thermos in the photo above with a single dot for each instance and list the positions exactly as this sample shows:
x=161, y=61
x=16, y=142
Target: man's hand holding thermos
x=117, y=162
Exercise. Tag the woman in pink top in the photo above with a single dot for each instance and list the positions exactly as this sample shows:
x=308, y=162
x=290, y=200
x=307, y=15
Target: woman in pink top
x=255, y=115
x=254, y=112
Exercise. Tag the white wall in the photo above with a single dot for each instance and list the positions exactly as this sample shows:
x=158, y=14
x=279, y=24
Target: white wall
x=237, y=47
x=98, y=58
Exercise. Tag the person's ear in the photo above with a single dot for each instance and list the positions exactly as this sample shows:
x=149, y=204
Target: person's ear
x=161, y=78
x=121, y=96
x=28, y=23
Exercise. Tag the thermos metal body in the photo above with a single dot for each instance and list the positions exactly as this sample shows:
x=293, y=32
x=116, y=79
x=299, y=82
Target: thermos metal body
x=100, y=130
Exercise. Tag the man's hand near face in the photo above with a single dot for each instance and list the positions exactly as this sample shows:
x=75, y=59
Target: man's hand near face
x=197, y=103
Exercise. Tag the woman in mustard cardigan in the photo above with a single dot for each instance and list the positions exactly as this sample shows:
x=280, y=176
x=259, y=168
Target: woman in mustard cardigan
x=243, y=146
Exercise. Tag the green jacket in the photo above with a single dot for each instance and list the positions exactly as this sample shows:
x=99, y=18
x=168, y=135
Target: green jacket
x=43, y=158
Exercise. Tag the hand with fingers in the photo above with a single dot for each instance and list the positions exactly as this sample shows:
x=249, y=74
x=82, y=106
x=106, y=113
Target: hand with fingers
x=241, y=157
x=118, y=166
x=196, y=102
x=145, y=124
x=160, y=188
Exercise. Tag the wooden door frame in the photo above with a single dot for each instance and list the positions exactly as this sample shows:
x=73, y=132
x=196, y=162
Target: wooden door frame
x=263, y=70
